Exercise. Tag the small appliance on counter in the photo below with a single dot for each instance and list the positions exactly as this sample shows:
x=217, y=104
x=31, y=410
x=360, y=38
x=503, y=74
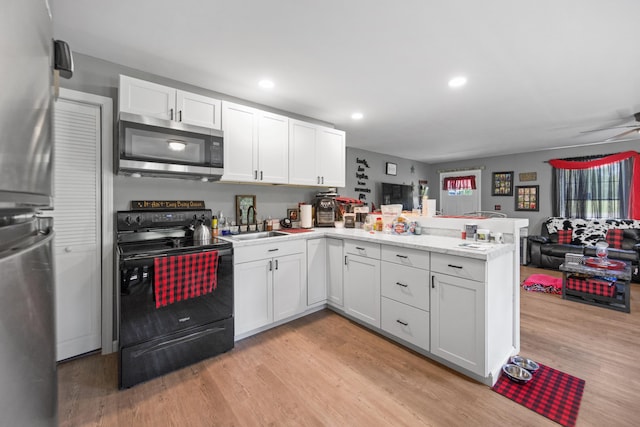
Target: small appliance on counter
x=325, y=209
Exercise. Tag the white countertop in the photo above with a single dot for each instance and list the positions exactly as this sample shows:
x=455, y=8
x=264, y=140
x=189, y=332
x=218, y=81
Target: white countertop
x=433, y=243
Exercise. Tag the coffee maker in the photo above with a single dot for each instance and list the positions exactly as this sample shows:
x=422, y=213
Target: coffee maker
x=325, y=209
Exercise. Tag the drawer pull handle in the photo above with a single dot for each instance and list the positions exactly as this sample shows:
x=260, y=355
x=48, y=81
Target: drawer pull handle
x=402, y=284
x=359, y=248
x=272, y=250
x=454, y=266
x=402, y=256
x=402, y=323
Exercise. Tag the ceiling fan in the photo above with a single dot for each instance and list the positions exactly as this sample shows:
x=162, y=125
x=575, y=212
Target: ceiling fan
x=633, y=128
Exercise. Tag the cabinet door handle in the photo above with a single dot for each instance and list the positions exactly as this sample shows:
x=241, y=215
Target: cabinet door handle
x=171, y=113
x=402, y=256
x=323, y=179
x=433, y=285
x=402, y=323
x=345, y=260
x=318, y=180
x=270, y=265
x=276, y=264
x=255, y=174
x=180, y=115
x=454, y=266
x=261, y=175
x=272, y=250
x=402, y=284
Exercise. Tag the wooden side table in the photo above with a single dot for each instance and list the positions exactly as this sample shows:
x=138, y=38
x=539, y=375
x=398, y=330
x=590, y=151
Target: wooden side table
x=621, y=300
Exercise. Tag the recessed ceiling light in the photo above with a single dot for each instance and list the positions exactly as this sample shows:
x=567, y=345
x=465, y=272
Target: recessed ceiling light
x=458, y=81
x=266, y=84
x=357, y=116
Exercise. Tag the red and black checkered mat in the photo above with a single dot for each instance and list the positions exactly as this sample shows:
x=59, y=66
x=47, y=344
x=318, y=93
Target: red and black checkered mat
x=550, y=393
x=181, y=277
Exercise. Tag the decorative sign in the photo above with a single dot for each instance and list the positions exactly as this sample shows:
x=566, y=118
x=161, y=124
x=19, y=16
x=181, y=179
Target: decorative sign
x=528, y=176
x=149, y=205
x=363, y=165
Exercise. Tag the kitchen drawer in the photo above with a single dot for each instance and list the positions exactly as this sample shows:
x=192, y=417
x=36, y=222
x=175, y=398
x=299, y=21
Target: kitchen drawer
x=366, y=249
x=405, y=322
x=268, y=250
x=405, y=284
x=404, y=256
x=467, y=268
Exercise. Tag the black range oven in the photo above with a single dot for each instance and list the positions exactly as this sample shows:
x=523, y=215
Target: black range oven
x=156, y=335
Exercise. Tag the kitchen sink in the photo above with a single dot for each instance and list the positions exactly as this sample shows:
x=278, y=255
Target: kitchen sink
x=258, y=235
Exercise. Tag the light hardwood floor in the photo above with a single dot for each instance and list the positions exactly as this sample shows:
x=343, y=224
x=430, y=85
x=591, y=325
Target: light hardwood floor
x=326, y=370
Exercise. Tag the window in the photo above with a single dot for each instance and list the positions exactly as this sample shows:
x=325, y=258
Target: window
x=460, y=185
x=592, y=187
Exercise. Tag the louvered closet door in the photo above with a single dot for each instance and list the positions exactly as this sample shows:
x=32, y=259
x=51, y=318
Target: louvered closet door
x=76, y=214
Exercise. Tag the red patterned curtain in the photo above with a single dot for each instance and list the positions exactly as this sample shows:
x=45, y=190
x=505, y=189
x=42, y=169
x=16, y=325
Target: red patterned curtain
x=459, y=183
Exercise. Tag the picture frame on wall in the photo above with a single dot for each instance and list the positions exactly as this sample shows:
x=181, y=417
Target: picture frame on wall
x=527, y=198
x=292, y=214
x=391, y=168
x=502, y=183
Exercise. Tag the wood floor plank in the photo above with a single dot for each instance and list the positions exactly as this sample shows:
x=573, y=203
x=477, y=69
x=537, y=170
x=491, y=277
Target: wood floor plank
x=324, y=370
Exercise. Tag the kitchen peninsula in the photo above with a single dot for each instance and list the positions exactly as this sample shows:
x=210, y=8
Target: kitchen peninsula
x=449, y=299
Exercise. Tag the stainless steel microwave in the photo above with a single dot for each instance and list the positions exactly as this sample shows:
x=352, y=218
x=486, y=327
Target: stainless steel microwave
x=149, y=146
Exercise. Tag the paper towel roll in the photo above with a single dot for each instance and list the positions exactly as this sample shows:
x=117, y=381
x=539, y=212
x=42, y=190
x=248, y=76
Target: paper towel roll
x=306, y=220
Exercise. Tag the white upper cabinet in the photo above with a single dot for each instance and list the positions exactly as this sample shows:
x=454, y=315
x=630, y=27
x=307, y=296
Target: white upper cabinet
x=150, y=99
x=316, y=155
x=256, y=145
x=330, y=152
x=194, y=109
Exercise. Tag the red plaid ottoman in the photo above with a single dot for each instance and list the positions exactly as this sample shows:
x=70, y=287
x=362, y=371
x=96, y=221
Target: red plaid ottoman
x=592, y=286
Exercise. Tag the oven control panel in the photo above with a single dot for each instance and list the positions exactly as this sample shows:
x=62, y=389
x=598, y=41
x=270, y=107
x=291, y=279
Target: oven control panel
x=141, y=220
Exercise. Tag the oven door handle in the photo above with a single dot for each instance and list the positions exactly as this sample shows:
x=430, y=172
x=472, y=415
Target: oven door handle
x=136, y=257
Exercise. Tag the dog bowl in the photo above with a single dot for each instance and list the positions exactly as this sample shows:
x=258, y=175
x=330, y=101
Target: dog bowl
x=525, y=363
x=516, y=373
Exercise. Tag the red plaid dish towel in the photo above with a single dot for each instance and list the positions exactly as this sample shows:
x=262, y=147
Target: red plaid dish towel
x=181, y=277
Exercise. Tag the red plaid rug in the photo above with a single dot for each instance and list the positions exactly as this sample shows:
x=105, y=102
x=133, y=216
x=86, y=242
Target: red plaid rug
x=550, y=393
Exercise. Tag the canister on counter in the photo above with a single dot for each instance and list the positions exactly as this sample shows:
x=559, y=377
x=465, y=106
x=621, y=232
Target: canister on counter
x=471, y=230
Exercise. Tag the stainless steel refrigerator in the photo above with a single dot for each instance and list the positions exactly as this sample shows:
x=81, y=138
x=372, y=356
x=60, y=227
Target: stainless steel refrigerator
x=28, y=383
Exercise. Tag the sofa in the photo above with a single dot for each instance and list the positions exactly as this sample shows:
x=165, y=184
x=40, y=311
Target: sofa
x=559, y=236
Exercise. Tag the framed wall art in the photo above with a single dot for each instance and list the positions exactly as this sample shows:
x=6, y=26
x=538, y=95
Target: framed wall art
x=292, y=214
x=243, y=203
x=391, y=168
x=502, y=184
x=527, y=197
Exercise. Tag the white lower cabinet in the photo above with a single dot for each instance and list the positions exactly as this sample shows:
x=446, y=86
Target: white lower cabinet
x=405, y=294
x=316, y=271
x=269, y=289
x=457, y=321
x=362, y=288
x=289, y=286
x=335, y=287
x=253, y=296
x=405, y=322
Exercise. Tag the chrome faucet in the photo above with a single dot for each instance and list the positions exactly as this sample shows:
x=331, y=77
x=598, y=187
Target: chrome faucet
x=249, y=209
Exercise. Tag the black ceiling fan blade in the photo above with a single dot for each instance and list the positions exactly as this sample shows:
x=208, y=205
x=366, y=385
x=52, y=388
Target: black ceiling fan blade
x=609, y=128
x=618, y=136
